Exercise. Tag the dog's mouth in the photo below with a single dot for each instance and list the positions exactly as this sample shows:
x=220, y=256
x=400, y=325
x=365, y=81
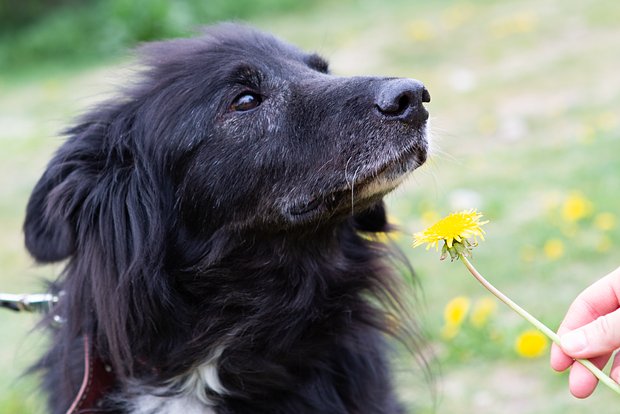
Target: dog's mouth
x=363, y=188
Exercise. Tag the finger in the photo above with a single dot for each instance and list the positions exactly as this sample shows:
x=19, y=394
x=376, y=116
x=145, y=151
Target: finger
x=558, y=360
x=600, y=298
x=600, y=337
x=581, y=382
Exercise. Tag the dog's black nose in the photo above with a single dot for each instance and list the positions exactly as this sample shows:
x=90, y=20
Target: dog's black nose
x=401, y=99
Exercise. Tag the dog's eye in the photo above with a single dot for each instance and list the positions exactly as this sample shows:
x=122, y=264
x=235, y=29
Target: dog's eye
x=246, y=101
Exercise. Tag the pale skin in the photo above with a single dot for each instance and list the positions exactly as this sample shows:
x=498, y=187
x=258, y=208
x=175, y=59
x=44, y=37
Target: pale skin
x=590, y=330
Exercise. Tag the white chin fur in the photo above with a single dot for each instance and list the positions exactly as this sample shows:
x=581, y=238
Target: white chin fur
x=384, y=182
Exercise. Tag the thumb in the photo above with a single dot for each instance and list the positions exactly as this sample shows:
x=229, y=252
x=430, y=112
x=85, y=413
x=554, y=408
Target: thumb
x=599, y=337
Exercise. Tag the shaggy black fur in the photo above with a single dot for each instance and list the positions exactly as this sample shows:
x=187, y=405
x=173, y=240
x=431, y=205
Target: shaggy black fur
x=221, y=206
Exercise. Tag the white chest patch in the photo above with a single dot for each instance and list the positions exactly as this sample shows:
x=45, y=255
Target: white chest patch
x=190, y=396
x=181, y=404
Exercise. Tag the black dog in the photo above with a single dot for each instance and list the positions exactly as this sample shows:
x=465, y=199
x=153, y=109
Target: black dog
x=215, y=220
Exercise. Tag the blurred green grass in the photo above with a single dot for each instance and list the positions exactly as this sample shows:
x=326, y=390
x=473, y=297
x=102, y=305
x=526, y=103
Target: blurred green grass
x=45, y=35
x=525, y=113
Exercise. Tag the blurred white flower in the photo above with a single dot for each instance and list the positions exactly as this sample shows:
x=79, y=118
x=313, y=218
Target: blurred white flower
x=513, y=128
x=462, y=80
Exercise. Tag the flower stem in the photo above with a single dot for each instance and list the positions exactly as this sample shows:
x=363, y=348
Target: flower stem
x=604, y=378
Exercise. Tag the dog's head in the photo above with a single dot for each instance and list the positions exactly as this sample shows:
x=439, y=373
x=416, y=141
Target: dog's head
x=227, y=135
x=234, y=128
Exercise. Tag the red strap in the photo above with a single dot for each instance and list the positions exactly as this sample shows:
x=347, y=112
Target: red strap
x=98, y=379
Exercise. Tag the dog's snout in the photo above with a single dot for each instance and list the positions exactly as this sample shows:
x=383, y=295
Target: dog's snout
x=402, y=99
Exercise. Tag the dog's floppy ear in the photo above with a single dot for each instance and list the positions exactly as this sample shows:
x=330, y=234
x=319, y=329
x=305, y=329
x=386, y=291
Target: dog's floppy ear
x=103, y=200
x=49, y=227
x=49, y=236
x=373, y=219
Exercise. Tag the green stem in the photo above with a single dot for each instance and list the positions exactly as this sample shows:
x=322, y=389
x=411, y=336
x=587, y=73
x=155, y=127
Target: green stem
x=604, y=378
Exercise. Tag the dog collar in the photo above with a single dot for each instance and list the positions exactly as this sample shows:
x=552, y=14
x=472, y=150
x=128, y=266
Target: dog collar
x=97, y=380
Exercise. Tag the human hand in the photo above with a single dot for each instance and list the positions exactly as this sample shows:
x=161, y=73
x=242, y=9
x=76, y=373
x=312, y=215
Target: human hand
x=590, y=330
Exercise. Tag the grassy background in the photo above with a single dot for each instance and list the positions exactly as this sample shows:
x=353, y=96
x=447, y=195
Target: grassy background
x=525, y=112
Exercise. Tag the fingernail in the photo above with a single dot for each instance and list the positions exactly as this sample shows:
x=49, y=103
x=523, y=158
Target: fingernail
x=573, y=342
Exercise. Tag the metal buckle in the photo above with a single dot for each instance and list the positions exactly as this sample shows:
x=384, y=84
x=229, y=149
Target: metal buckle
x=37, y=302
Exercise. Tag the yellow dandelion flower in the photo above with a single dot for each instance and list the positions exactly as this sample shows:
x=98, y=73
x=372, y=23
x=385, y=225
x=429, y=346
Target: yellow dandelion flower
x=481, y=312
x=554, y=249
x=456, y=310
x=531, y=344
x=605, y=221
x=576, y=207
x=454, y=228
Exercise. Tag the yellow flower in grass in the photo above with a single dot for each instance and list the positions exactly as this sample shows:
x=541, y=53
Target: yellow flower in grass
x=576, y=207
x=456, y=310
x=454, y=314
x=455, y=228
x=481, y=312
x=531, y=344
x=553, y=249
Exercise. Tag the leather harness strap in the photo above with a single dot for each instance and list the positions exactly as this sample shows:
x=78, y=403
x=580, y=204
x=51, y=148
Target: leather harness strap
x=97, y=380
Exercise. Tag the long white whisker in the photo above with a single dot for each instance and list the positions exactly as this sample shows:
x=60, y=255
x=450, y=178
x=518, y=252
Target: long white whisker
x=346, y=167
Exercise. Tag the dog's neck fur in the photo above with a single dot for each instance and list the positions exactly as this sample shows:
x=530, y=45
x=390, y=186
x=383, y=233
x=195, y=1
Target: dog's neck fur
x=267, y=314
